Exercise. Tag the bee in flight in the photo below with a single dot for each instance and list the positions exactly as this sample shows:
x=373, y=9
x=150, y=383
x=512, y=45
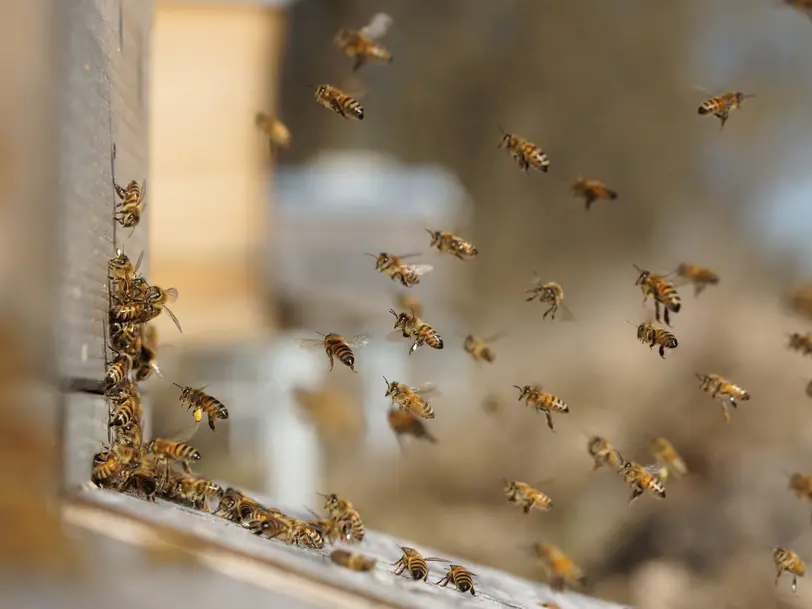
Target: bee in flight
x=787, y=560
x=801, y=485
x=643, y=479
x=550, y=293
x=479, y=349
x=202, y=402
x=352, y=560
x=339, y=102
x=336, y=346
x=536, y=397
x=521, y=493
x=410, y=398
x=699, y=276
x=562, y=569
x=801, y=343
x=278, y=134
x=492, y=405
x=404, y=423
x=651, y=335
x=132, y=196
x=662, y=291
x=721, y=105
x=723, y=390
x=460, y=577
x=669, y=459
x=176, y=449
x=362, y=44
x=592, y=190
x=397, y=270
x=604, y=454
x=411, y=326
x=525, y=153
x=449, y=243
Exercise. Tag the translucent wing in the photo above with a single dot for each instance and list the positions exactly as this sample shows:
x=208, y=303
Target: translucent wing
x=420, y=269
x=310, y=342
x=426, y=389
x=704, y=90
x=654, y=468
x=174, y=319
x=566, y=313
x=187, y=433
x=377, y=26
x=404, y=256
x=358, y=341
x=138, y=262
x=171, y=294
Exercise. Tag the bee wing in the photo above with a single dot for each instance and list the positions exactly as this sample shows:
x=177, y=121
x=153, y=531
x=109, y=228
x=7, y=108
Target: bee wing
x=436, y=559
x=420, y=269
x=566, y=313
x=138, y=262
x=377, y=26
x=654, y=469
x=426, y=389
x=174, y=319
x=187, y=433
x=704, y=90
x=395, y=336
x=309, y=342
x=407, y=256
x=171, y=294
x=358, y=341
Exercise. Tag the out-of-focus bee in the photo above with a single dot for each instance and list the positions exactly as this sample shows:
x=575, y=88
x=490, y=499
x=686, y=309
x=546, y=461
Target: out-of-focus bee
x=410, y=398
x=361, y=44
x=461, y=577
x=175, y=449
x=526, y=496
x=121, y=271
x=643, y=479
x=549, y=605
x=604, y=454
x=550, y=293
x=119, y=369
x=669, y=459
x=802, y=6
x=801, y=485
x=328, y=528
x=145, y=480
x=651, y=335
x=202, y=402
x=148, y=356
x=536, y=397
x=592, y=190
x=787, y=560
x=407, y=302
x=336, y=346
x=346, y=517
x=397, y=270
x=339, y=102
x=562, y=569
x=663, y=292
x=723, y=390
x=800, y=299
x=132, y=198
x=275, y=129
x=525, y=153
x=721, y=105
x=414, y=564
x=479, y=349
x=802, y=343
x=415, y=328
x=699, y=276
x=403, y=422
x=449, y=243
x=492, y=405
x=352, y=560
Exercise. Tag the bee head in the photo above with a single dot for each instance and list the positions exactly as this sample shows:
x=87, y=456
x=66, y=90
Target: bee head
x=506, y=140
x=400, y=318
x=643, y=277
x=523, y=391
x=435, y=236
x=742, y=96
x=321, y=90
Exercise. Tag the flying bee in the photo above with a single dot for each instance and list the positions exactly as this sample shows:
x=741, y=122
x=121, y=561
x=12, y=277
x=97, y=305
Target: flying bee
x=198, y=490
x=119, y=369
x=175, y=449
x=526, y=496
x=352, y=560
x=461, y=577
x=345, y=516
x=721, y=105
x=536, y=397
x=699, y=276
x=801, y=485
x=492, y=405
x=121, y=271
x=550, y=293
x=449, y=243
x=336, y=346
x=407, y=302
x=479, y=349
x=415, y=328
x=604, y=454
x=787, y=560
x=651, y=335
x=643, y=479
x=339, y=102
x=410, y=398
x=362, y=44
x=662, y=291
x=802, y=343
x=723, y=390
x=147, y=357
x=202, y=402
x=592, y=190
x=525, y=153
x=132, y=198
x=669, y=459
x=403, y=422
x=413, y=563
x=278, y=134
x=562, y=569
x=397, y=270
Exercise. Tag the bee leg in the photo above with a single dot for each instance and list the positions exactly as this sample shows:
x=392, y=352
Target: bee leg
x=794, y=584
x=666, y=317
x=698, y=289
x=662, y=351
x=733, y=403
x=777, y=577
x=527, y=507
x=337, y=108
x=636, y=492
x=549, y=420
x=185, y=467
x=120, y=192
x=590, y=199
x=725, y=414
x=211, y=423
x=331, y=362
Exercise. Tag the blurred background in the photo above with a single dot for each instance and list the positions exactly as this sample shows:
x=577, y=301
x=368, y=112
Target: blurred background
x=266, y=248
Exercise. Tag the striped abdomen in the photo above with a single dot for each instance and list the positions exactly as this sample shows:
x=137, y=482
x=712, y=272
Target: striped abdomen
x=414, y=404
x=551, y=402
x=134, y=312
x=175, y=450
x=733, y=391
x=127, y=411
x=413, y=563
x=429, y=336
x=460, y=577
x=338, y=347
x=535, y=156
x=118, y=370
x=713, y=105
x=665, y=292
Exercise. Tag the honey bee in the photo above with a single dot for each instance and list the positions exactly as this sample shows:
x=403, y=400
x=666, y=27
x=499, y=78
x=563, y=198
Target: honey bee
x=328, y=528
x=337, y=347
x=119, y=369
x=669, y=459
x=301, y=534
x=550, y=293
x=592, y=190
x=361, y=44
x=525, y=153
x=526, y=496
x=562, y=569
x=352, y=560
x=144, y=480
x=142, y=312
x=415, y=328
x=801, y=343
x=787, y=560
x=126, y=338
x=174, y=449
x=722, y=389
x=449, y=243
x=121, y=270
x=203, y=402
x=407, y=302
x=648, y=333
x=410, y=398
x=699, y=276
x=663, y=292
x=403, y=422
x=132, y=203
x=109, y=464
x=550, y=605
x=479, y=349
x=643, y=479
x=275, y=129
x=460, y=577
x=346, y=517
x=721, y=105
x=229, y=505
x=127, y=410
x=541, y=401
x=604, y=454
x=413, y=563
x=147, y=358
x=197, y=490
x=808, y=390
x=397, y=270
x=339, y=102
x=800, y=299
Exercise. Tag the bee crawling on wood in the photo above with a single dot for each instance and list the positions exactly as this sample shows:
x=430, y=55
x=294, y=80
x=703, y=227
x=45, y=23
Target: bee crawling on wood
x=352, y=560
x=592, y=190
x=413, y=563
x=461, y=577
x=132, y=197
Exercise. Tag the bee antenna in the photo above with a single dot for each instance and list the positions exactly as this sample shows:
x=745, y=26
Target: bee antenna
x=319, y=333
x=502, y=131
x=392, y=311
x=373, y=255
x=178, y=386
x=387, y=382
x=639, y=270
